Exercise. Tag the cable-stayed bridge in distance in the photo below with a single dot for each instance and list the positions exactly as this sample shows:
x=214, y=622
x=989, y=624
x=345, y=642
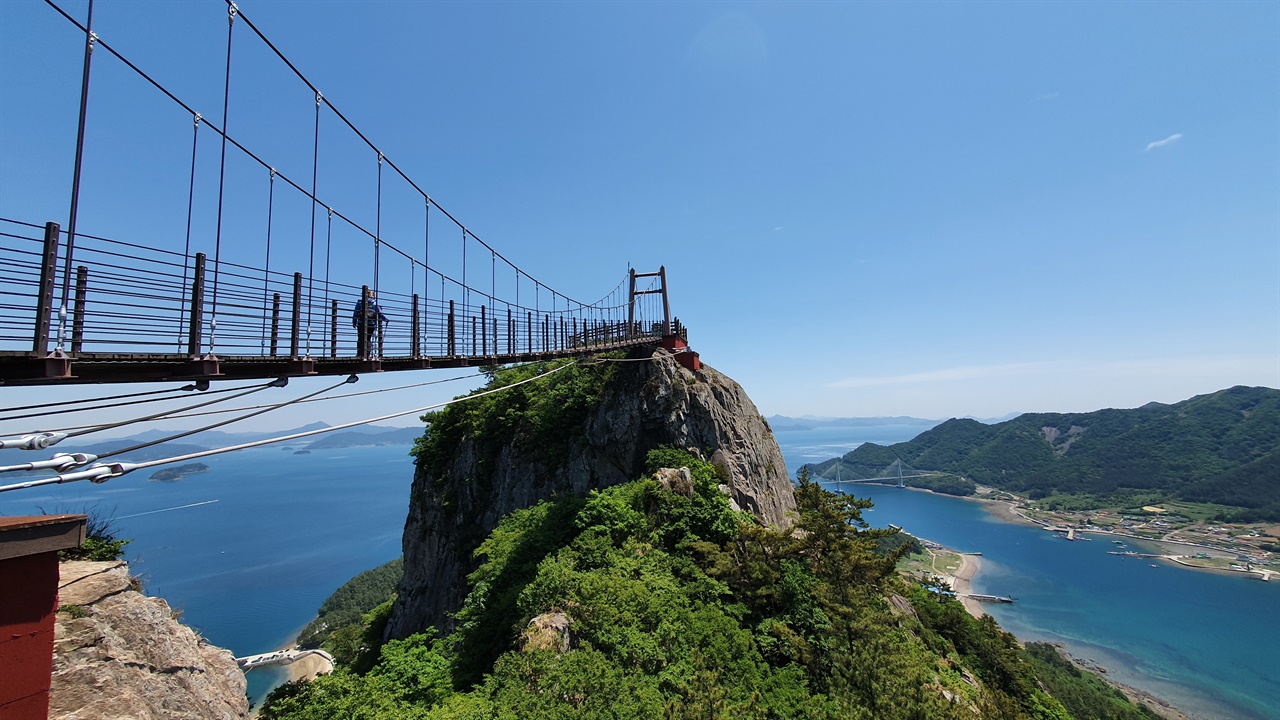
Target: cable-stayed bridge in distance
x=182, y=304
x=837, y=472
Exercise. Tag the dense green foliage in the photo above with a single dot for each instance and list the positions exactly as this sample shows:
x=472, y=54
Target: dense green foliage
x=677, y=606
x=1220, y=448
x=539, y=418
x=543, y=414
x=346, y=606
x=945, y=484
x=1084, y=694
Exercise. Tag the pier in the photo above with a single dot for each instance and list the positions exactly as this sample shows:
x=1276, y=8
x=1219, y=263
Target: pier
x=989, y=598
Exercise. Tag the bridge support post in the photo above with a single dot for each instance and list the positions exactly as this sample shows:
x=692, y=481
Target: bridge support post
x=484, y=337
x=362, y=328
x=415, y=342
x=275, y=323
x=451, y=341
x=666, y=304
x=198, y=362
x=299, y=365
x=195, y=325
x=511, y=333
x=333, y=329
x=528, y=328
x=295, y=323
x=631, y=302
x=472, y=349
x=77, y=314
x=44, y=303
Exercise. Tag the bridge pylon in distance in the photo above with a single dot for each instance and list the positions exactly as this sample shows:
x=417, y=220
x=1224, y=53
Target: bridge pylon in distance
x=674, y=335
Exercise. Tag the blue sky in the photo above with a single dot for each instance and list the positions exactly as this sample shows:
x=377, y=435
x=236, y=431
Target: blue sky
x=929, y=209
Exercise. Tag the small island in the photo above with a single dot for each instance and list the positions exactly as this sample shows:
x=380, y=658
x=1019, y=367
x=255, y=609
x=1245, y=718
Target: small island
x=177, y=473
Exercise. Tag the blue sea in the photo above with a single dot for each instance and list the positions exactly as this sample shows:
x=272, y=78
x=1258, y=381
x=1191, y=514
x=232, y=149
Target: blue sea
x=249, y=570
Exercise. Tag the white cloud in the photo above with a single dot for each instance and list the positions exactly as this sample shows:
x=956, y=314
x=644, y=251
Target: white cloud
x=1066, y=385
x=1047, y=96
x=1161, y=143
x=975, y=372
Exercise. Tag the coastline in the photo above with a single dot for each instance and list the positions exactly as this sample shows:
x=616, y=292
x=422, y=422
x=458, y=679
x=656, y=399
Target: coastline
x=306, y=668
x=962, y=584
x=971, y=566
x=1008, y=512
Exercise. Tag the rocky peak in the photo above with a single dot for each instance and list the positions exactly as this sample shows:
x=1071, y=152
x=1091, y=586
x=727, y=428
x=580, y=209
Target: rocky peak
x=650, y=401
x=120, y=654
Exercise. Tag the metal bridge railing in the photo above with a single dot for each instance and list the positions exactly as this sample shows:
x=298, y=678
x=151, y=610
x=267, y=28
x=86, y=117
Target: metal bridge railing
x=133, y=301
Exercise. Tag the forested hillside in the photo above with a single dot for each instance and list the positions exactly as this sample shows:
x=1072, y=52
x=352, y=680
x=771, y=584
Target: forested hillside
x=656, y=599
x=1219, y=448
x=347, y=604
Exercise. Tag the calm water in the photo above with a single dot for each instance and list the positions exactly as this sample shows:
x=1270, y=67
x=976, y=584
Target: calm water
x=1204, y=642
x=249, y=570
x=814, y=446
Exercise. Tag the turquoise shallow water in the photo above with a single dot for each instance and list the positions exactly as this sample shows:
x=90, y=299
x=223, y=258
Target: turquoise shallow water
x=1205, y=642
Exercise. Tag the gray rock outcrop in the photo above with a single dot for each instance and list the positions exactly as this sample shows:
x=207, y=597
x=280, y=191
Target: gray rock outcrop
x=646, y=404
x=120, y=654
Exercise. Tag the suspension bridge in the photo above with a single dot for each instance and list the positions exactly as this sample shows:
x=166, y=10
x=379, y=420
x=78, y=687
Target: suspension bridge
x=839, y=473
x=150, y=305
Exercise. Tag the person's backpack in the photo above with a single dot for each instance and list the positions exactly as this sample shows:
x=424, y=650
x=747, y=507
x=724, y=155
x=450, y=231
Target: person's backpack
x=366, y=310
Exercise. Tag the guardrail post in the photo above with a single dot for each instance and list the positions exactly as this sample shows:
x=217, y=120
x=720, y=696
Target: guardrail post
x=295, y=323
x=275, y=323
x=415, y=343
x=472, y=349
x=362, y=327
x=511, y=334
x=484, y=337
x=666, y=304
x=333, y=329
x=77, y=315
x=452, y=338
x=546, y=332
x=44, y=303
x=195, y=320
x=528, y=328
x=631, y=302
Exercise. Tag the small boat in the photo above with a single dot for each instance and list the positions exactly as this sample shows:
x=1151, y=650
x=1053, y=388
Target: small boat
x=1154, y=565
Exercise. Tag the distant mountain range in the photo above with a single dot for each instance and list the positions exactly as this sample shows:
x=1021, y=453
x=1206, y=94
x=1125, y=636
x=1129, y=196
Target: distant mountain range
x=782, y=423
x=1221, y=448
x=359, y=436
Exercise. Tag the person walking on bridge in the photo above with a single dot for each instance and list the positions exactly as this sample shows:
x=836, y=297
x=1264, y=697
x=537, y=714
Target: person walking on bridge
x=367, y=319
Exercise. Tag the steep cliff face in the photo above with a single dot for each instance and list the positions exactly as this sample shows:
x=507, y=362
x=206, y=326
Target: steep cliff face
x=120, y=654
x=648, y=401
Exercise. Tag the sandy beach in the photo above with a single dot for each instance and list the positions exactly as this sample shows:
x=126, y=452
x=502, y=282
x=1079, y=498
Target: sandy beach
x=961, y=583
x=308, y=668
